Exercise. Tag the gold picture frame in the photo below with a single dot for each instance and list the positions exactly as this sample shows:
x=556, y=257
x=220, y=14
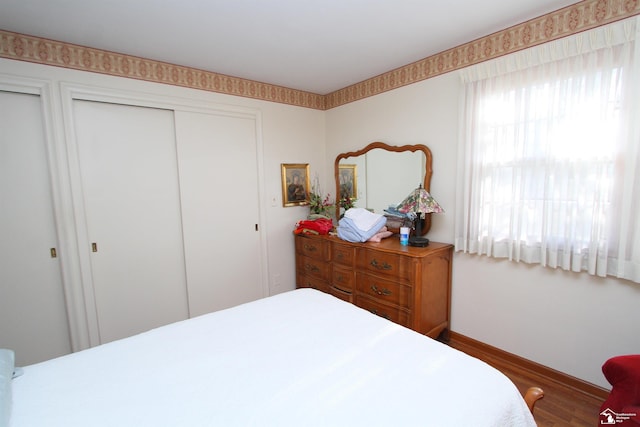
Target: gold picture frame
x=348, y=175
x=295, y=184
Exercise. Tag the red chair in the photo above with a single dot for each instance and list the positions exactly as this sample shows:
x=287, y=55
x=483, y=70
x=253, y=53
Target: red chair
x=622, y=407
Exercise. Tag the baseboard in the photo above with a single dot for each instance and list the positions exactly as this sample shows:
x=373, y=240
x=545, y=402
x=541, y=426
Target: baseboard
x=476, y=348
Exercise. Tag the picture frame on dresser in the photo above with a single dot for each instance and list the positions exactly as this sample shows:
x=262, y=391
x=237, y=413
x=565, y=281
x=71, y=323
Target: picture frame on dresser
x=295, y=184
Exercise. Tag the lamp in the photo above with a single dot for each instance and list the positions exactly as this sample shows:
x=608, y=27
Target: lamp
x=416, y=204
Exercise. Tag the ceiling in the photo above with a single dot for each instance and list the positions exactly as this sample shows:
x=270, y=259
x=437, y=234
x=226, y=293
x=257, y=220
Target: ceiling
x=318, y=46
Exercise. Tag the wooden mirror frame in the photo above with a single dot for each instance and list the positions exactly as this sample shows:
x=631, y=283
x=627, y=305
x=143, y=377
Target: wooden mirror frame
x=393, y=148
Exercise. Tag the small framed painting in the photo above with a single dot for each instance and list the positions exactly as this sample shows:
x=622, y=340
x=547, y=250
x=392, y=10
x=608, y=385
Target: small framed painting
x=348, y=181
x=295, y=184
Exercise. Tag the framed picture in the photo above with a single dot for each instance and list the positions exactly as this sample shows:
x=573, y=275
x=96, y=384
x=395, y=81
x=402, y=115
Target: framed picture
x=295, y=184
x=348, y=181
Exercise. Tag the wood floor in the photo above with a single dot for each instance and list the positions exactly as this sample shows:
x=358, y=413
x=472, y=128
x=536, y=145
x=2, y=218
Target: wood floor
x=562, y=405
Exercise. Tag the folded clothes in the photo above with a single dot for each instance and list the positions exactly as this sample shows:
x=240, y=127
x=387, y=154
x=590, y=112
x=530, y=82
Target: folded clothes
x=362, y=218
x=382, y=234
x=316, y=226
x=395, y=212
x=347, y=230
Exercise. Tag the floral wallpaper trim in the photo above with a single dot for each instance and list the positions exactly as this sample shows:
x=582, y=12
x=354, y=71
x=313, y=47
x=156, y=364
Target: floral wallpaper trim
x=572, y=19
x=49, y=52
x=561, y=23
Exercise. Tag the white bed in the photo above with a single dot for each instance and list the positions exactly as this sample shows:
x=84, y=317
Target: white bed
x=302, y=358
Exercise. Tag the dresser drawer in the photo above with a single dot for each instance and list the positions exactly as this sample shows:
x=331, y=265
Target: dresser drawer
x=391, y=265
x=407, y=285
x=345, y=296
x=384, y=290
x=343, y=254
x=343, y=278
x=394, y=314
x=312, y=267
x=312, y=248
x=306, y=281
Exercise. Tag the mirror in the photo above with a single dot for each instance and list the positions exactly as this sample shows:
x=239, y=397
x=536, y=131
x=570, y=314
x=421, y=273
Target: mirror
x=381, y=175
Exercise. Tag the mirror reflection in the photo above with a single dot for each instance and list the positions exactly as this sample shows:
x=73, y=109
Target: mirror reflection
x=383, y=178
x=382, y=175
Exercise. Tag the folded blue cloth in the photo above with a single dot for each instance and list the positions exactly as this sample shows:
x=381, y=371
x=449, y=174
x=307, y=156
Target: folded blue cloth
x=347, y=230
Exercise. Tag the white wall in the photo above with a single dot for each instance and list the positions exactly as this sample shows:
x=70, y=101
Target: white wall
x=567, y=321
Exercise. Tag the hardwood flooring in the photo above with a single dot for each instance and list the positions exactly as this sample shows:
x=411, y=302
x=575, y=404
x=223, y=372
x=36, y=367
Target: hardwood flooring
x=564, y=403
x=560, y=406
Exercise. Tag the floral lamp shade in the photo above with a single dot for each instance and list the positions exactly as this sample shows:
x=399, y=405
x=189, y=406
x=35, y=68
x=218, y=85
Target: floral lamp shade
x=420, y=201
x=417, y=203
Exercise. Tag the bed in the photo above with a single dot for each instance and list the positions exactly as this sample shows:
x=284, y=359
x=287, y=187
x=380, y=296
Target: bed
x=301, y=358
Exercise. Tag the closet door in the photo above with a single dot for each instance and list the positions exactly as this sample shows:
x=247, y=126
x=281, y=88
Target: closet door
x=127, y=158
x=33, y=315
x=220, y=204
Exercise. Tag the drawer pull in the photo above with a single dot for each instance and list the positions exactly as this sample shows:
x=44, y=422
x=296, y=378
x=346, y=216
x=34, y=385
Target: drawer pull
x=385, y=291
x=383, y=266
x=339, y=255
x=340, y=278
x=386, y=316
x=311, y=267
x=341, y=290
x=310, y=248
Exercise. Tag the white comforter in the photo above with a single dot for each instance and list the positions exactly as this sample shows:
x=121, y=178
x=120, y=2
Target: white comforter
x=302, y=358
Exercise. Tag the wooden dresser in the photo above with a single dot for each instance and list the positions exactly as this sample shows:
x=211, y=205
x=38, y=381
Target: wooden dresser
x=407, y=285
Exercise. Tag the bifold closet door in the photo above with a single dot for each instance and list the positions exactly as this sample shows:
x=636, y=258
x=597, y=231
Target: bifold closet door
x=32, y=305
x=128, y=167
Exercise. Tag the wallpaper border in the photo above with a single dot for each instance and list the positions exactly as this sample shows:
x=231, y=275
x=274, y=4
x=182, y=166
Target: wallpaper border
x=572, y=19
x=27, y=48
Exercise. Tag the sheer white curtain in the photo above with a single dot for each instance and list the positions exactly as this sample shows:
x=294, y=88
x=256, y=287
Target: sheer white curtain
x=549, y=168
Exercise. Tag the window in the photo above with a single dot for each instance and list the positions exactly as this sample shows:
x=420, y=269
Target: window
x=549, y=155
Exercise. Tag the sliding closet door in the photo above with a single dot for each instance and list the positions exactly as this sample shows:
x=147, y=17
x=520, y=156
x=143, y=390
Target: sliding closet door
x=32, y=305
x=219, y=188
x=127, y=158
